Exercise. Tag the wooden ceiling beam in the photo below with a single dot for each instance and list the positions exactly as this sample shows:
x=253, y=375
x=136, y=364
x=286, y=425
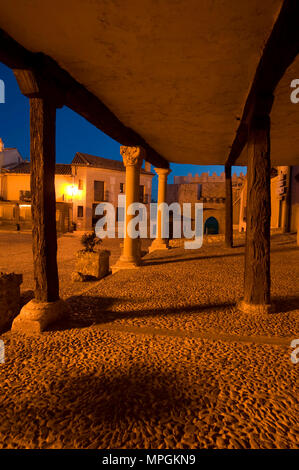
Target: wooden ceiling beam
x=73, y=94
x=280, y=51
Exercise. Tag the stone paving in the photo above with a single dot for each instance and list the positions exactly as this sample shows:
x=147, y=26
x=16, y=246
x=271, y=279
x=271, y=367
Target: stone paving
x=160, y=357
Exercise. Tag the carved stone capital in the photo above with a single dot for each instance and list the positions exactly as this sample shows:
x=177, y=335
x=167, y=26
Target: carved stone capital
x=132, y=156
x=164, y=172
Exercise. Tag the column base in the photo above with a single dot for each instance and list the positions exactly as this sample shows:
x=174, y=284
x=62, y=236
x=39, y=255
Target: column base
x=124, y=263
x=258, y=309
x=36, y=316
x=158, y=244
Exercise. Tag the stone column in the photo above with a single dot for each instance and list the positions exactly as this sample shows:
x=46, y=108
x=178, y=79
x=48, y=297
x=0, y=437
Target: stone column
x=46, y=307
x=285, y=216
x=160, y=243
x=132, y=158
x=228, y=207
x=257, y=250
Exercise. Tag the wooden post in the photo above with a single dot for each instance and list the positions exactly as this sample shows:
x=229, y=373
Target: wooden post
x=46, y=307
x=257, y=252
x=228, y=207
x=44, y=237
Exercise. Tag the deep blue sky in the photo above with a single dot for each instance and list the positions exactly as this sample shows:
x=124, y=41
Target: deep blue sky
x=74, y=134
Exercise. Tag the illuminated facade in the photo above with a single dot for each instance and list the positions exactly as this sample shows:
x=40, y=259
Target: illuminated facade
x=79, y=186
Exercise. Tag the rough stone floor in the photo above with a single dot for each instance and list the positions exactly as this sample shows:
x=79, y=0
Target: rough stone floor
x=158, y=357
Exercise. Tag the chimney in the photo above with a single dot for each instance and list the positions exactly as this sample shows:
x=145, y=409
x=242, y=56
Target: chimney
x=1, y=145
x=147, y=166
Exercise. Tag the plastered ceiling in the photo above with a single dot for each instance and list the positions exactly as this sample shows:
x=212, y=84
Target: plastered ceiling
x=176, y=71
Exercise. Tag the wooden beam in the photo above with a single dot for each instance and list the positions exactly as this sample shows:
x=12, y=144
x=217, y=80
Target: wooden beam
x=44, y=239
x=257, y=251
x=279, y=53
x=74, y=95
x=228, y=207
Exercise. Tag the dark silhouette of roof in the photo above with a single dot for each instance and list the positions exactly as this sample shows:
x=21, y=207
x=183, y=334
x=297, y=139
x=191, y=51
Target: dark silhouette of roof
x=100, y=162
x=24, y=168
x=80, y=159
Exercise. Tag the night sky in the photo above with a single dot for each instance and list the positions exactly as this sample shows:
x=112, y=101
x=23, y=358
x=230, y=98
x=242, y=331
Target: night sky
x=74, y=133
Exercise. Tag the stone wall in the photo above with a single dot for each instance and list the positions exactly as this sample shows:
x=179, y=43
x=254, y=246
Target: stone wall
x=9, y=298
x=211, y=194
x=207, y=178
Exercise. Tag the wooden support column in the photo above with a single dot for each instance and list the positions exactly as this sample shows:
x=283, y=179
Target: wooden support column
x=228, y=207
x=46, y=306
x=257, y=252
x=44, y=237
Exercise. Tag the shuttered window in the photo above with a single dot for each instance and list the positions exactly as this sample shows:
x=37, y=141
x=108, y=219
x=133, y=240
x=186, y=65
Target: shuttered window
x=99, y=191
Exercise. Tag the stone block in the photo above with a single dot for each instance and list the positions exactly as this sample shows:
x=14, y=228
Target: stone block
x=94, y=264
x=36, y=316
x=258, y=309
x=9, y=298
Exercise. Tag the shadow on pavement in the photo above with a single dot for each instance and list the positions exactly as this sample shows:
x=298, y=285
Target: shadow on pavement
x=114, y=407
x=88, y=310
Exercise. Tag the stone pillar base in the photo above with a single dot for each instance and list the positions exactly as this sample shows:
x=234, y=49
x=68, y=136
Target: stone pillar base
x=124, y=263
x=36, y=316
x=158, y=244
x=258, y=309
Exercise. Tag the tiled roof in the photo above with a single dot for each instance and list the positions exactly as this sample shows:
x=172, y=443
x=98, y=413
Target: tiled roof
x=100, y=162
x=79, y=159
x=24, y=168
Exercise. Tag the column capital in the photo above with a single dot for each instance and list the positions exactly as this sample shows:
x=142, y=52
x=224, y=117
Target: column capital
x=132, y=156
x=162, y=171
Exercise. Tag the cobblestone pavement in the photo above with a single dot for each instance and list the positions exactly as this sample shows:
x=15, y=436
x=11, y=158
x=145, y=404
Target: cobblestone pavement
x=16, y=255
x=160, y=357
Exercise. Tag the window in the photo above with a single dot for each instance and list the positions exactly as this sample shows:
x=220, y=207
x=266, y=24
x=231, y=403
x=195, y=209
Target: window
x=99, y=190
x=141, y=193
x=80, y=211
x=80, y=185
x=25, y=196
x=122, y=188
x=198, y=191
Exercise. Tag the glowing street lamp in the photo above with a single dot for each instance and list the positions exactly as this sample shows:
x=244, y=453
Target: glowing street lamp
x=72, y=190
